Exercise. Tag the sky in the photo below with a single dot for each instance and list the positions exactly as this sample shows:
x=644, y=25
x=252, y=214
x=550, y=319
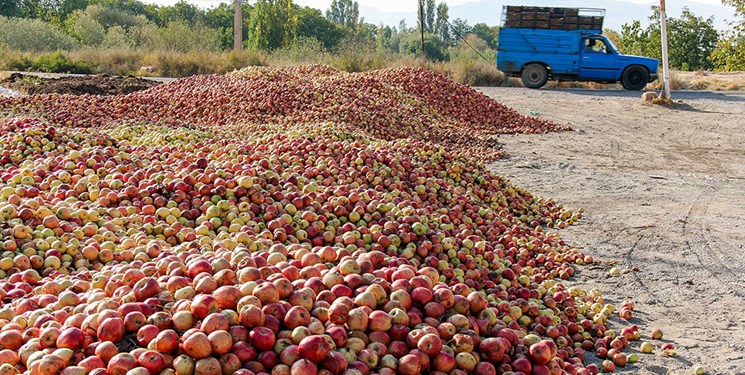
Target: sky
x=390, y=12
x=385, y=5
x=410, y=5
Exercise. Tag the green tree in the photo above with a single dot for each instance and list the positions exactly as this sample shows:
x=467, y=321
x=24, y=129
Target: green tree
x=383, y=37
x=9, y=8
x=730, y=53
x=312, y=24
x=460, y=28
x=403, y=27
x=182, y=37
x=86, y=29
x=434, y=47
x=344, y=12
x=691, y=40
x=272, y=24
x=487, y=34
x=181, y=11
x=442, y=28
x=33, y=35
x=429, y=16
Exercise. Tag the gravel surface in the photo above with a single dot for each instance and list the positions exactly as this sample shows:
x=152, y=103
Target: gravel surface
x=663, y=191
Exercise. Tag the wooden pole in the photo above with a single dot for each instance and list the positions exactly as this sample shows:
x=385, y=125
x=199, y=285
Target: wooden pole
x=665, y=62
x=238, y=25
x=421, y=28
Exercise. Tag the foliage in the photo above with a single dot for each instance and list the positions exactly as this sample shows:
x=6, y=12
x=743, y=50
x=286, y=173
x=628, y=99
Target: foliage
x=434, y=47
x=312, y=24
x=488, y=34
x=182, y=37
x=302, y=51
x=730, y=53
x=430, y=16
x=460, y=28
x=344, y=12
x=442, y=28
x=272, y=24
x=24, y=34
x=86, y=29
x=691, y=40
x=56, y=62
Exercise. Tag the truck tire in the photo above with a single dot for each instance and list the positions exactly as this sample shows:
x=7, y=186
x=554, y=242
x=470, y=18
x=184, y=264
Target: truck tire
x=635, y=77
x=534, y=76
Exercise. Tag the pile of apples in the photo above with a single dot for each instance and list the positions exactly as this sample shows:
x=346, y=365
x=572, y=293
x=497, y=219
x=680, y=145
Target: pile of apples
x=155, y=239
x=386, y=104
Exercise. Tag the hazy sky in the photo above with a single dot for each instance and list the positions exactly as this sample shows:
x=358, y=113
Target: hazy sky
x=388, y=5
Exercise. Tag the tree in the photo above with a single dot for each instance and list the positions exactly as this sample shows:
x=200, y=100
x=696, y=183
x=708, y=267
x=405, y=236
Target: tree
x=730, y=52
x=383, y=37
x=312, y=24
x=460, y=28
x=344, y=12
x=429, y=16
x=180, y=12
x=739, y=7
x=691, y=40
x=442, y=28
x=403, y=27
x=434, y=47
x=272, y=24
x=487, y=34
x=9, y=8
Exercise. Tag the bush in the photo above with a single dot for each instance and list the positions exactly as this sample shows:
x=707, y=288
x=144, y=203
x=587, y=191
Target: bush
x=32, y=35
x=181, y=37
x=303, y=51
x=729, y=54
x=87, y=30
x=434, y=47
x=356, y=56
x=57, y=62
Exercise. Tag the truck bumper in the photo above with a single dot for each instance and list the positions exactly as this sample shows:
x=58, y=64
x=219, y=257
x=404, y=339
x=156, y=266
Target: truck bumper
x=653, y=77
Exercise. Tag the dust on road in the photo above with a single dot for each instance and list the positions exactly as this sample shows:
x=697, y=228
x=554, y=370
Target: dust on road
x=664, y=190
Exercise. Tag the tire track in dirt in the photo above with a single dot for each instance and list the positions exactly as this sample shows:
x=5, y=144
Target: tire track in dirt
x=720, y=271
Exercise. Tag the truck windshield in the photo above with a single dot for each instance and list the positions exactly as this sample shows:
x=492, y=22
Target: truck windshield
x=609, y=44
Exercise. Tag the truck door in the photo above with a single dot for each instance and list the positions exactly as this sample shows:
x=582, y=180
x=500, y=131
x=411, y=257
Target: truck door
x=598, y=60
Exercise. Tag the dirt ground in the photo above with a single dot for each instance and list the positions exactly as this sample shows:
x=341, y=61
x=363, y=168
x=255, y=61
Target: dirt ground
x=663, y=190
x=76, y=85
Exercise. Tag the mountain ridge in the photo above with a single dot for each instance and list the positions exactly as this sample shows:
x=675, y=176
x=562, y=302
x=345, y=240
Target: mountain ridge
x=490, y=12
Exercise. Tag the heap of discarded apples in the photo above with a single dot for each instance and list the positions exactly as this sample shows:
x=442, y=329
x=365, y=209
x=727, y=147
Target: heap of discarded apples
x=215, y=226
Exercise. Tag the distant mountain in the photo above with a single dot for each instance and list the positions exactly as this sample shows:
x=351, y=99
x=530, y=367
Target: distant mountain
x=617, y=12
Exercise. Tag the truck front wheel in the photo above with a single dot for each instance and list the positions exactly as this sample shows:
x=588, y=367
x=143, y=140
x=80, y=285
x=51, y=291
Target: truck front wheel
x=635, y=78
x=534, y=76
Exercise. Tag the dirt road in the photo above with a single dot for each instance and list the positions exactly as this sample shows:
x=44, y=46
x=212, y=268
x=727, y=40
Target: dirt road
x=663, y=190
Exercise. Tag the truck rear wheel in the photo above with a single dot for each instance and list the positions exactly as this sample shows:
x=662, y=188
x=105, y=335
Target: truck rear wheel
x=635, y=78
x=534, y=76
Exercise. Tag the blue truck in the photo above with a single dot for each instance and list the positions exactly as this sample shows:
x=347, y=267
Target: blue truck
x=566, y=44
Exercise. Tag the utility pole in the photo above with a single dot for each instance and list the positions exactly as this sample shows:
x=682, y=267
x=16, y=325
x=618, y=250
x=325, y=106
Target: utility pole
x=421, y=28
x=238, y=25
x=665, y=63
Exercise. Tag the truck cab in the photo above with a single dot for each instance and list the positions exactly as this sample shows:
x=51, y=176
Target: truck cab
x=567, y=47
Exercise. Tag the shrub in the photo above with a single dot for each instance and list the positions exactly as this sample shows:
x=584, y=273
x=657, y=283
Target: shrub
x=356, y=56
x=303, y=51
x=57, y=62
x=32, y=35
x=180, y=37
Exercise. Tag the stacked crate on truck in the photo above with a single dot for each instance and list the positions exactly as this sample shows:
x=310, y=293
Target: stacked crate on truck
x=532, y=17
